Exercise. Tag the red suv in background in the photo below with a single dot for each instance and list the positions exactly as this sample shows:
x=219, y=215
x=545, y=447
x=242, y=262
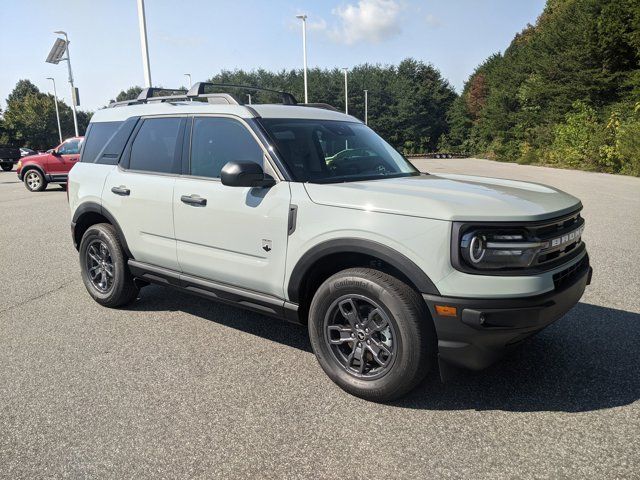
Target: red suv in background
x=52, y=167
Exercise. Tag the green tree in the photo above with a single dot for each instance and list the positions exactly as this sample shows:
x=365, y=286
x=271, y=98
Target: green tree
x=30, y=118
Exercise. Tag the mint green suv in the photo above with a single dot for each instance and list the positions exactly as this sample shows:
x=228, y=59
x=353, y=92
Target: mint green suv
x=305, y=213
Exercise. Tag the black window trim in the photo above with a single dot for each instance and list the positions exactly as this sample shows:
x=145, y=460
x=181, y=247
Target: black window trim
x=123, y=164
x=188, y=137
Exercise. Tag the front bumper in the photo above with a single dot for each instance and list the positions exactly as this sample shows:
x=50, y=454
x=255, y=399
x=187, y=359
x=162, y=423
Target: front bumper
x=483, y=329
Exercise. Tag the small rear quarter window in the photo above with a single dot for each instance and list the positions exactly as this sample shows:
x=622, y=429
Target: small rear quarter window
x=98, y=135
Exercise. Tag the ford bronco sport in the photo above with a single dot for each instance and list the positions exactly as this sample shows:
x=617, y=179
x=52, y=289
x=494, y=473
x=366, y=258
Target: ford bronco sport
x=304, y=213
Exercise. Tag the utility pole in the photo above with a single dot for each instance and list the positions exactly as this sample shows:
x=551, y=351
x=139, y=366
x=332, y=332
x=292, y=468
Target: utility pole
x=249, y=96
x=304, y=55
x=346, y=92
x=142, y=23
x=74, y=96
x=55, y=97
x=366, y=107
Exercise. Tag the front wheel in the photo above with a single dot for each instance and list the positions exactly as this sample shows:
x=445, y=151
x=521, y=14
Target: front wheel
x=104, y=269
x=371, y=334
x=34, y=181
x=7, y=167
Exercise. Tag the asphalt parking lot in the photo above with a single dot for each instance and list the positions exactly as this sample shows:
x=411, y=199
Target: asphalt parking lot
x=179, y=387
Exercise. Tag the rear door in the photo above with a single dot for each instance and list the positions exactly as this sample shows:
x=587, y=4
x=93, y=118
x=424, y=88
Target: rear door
x=232, y=235
x=139, y=193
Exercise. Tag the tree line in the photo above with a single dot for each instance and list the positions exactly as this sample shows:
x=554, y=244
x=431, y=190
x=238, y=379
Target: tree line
x=566, y=92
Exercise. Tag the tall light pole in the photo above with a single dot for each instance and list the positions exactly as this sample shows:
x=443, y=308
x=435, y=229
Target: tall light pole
x=366, y=107
x=346, y=91
x=189, y=75
x=304, y=55
x=249, y=96
x=74, y=96
x=55, y=98
x=142, y=24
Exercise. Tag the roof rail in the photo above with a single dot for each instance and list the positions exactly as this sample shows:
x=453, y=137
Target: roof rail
x=198, y=91
x=324, y=106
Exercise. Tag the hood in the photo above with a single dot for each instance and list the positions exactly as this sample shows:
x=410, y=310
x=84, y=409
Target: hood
x=448, y=197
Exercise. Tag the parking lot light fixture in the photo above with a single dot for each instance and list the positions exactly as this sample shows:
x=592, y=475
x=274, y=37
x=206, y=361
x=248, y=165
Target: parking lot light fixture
x=346, y=91
x=74, y=95
x=366, y=107
x=142, y=25
x=55, y=98
x=304, y=55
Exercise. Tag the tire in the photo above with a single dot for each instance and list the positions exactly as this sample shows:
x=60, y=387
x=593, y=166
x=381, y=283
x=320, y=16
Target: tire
x=409, y=337
x=34, y=180
x=118, y=286
x=7, y=167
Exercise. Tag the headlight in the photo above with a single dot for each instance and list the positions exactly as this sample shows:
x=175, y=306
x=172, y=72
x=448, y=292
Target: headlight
x=515, y=249
x=494, y=250
x=19, y=164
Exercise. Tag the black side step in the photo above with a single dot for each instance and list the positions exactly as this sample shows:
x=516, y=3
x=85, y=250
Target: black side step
x=255, y=301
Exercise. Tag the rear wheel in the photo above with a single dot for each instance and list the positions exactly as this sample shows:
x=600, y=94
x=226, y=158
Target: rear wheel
x=7, y=167
x=104, y=269
x=371, y=333
x=34, y=181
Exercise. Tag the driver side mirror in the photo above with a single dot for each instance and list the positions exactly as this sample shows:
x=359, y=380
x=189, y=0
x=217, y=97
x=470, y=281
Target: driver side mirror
x=245, y=174
x=54, y=152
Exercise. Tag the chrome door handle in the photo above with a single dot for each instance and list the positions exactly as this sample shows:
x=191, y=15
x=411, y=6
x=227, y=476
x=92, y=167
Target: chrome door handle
x=194, y=200
x=121, y=190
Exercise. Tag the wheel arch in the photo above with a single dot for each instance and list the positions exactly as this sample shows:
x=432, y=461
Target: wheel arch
x=92, y=213
x=33, y=166
x=327, y=258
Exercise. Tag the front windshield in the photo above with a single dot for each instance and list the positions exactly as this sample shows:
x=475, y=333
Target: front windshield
x=323, y=151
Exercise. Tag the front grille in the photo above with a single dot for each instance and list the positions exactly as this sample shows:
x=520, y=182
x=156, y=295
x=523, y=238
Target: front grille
x=566, y=276
x=557, y=229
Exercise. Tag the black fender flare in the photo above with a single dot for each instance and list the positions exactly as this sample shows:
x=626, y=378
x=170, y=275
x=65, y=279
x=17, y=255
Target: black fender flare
x=33, y=166
x=93, y=207
x=357, y=245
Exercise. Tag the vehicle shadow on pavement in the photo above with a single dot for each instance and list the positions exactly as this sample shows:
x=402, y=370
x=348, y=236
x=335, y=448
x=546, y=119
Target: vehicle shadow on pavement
x=154, y=298
x=588, y=360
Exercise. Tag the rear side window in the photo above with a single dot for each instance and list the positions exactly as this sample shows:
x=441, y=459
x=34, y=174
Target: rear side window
x=156, y=147
x=98, y=135
x=216, y=141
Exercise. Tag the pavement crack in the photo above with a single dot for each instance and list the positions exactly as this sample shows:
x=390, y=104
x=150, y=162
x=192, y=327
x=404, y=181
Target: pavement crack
x=37, y=297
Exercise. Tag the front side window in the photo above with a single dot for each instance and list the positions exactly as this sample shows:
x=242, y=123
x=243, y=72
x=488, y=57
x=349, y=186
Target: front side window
x=156, y=147
x=324, y=151
x=70, y=147
x=217, y=141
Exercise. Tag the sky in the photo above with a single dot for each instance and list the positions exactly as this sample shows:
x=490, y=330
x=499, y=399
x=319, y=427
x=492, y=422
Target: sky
x=202, y=37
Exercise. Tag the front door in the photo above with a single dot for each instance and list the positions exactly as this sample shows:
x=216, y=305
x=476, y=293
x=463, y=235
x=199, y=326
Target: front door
x=67, y=154
x=232, y=235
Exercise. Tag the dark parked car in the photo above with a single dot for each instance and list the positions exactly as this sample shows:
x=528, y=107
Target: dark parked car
x=8, y=156
x=26, y=152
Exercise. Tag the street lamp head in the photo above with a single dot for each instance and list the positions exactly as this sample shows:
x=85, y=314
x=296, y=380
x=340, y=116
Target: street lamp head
x=50, y=78
x=60, y=32
x=301, y=17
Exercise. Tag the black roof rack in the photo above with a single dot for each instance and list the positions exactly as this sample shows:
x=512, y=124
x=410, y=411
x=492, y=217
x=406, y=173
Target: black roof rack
x=158, y=94
x=152, y=92
x=198, y=91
